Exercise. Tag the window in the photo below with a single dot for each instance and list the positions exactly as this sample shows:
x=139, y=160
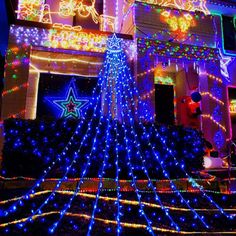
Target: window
x=229, y=33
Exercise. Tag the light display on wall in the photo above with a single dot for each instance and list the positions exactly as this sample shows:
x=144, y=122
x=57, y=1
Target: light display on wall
x=188, y=5
x=73, y=7
x=37, y=10
x=31, y=10
x=232, y=107
x=64, y=39
x=105, y=136
x=163, y=80
x=168, y=49
x=15, y=89
x=76, y=40
x=178, y=22
x=70, y=105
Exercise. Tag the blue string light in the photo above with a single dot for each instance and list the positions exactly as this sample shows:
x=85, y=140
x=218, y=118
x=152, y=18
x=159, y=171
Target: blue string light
x=88, y=164
x=154, y=151
x=191, y=180
x=119, y=97
x=137, y=144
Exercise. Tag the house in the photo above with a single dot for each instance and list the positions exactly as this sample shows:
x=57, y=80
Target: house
x=182, y=54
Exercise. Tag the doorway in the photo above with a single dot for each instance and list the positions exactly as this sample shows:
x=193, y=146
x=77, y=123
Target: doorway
x=164, y=104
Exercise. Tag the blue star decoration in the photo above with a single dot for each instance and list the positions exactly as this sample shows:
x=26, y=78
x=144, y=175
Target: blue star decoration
x=114, y=43
x=71, y=106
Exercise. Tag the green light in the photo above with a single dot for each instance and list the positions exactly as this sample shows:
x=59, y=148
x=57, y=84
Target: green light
x=163, y=80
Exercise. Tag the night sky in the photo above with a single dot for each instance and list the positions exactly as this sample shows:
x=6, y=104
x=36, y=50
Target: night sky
x=3, y=28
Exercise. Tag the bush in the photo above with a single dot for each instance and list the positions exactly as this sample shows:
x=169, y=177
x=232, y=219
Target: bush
x=32, y=145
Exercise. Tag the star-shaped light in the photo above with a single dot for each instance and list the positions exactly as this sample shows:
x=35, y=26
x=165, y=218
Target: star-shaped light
x=71, y=106
x=114, y=43
x=224, y=63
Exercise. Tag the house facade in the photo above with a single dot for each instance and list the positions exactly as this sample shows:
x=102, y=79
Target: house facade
x=182, y=54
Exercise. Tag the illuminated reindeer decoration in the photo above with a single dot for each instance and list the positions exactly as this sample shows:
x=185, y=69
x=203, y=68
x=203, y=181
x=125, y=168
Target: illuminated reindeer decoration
x=71, y=7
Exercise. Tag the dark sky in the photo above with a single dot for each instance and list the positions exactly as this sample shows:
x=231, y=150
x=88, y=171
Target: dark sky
x=3, y=28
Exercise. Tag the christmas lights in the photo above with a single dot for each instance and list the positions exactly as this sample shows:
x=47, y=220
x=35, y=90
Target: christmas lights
x=54, y=72
x=179, y=24
x=65, y=60
x=63, y=153
x=71, y=106
x=182, y=167
x=215, y=78
x=165, y=173
x=232, y=107
x=184, y=52
x=225, y=61
x=15, y=89
x=76, y=40
x=37, y=10
x=123, y=224
x=213, y=97
x=189, y=5
x=123, y=201
x=118, y=120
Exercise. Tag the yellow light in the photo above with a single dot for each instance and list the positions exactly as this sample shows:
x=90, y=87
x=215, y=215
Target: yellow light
x=77, y=40
x=188, y=5
x=213, y=97
x=65, y=60
x=73, y=7
x=113, y=222
x=208, y=116
x=35, y=69
x=36, y=10
x=178, y=23
x=232, y=107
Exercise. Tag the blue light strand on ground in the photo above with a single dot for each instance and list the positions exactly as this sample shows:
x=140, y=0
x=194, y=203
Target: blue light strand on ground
x=68, y=168
x=13, y=207
x=119, y=214
x=165, y=173
x=141, y=206
x=55, y=225
x=84, y=172
x=118, y=85
x=131, y=174
x=137, y=145
x=193, y=182
x=105, y=150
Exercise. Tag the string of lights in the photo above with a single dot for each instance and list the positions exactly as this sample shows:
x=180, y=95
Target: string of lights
x=208, y=116
x=213, y=97
x=13, y=208
x=15, y=89
x=119, y=95
x=191, y=180
x=123, y=224
x=129, y=164
x=123, y=201
x=154, y=151
x=106, y=100
x=117, y=137
x=137, y=144
x=64, y=178
x=41, y=58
